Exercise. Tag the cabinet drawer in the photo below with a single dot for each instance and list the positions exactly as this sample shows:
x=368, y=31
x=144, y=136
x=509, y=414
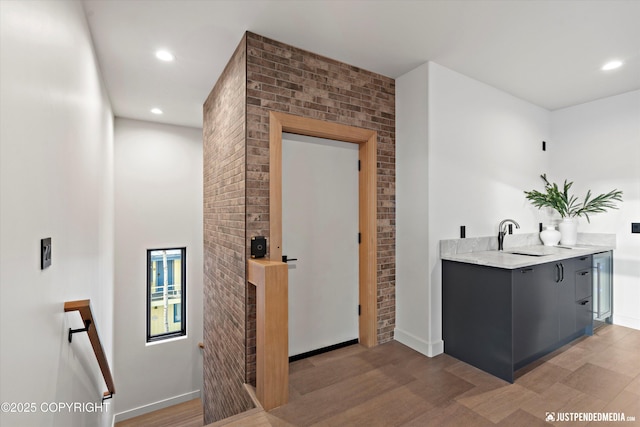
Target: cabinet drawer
x=583, y=284
x=584, y=315
x=583, y=262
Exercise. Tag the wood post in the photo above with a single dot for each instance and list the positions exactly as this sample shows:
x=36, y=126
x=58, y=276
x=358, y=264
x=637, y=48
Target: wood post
x=272, y=334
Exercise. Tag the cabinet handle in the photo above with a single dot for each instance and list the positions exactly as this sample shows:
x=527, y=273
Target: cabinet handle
x=584, y=273
x=557, y=273
x=598, y=289
x=562, y=270
x=584, y=258
x=584, y=302
x=526, y=270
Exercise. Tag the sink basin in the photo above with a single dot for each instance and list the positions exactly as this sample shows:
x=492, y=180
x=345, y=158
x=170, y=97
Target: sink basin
x=538, y=251
x=525, y=253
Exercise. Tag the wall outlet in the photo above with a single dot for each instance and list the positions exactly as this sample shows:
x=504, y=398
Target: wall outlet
x=635, y=227
x=45, y=253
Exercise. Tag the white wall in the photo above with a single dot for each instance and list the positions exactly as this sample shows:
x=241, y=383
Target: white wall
x=158, y=202
x=597, y=145
x=412, y=211
x=56, y=154
x=483, y=148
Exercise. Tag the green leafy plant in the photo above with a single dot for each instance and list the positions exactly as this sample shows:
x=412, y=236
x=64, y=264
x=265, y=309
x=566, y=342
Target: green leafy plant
x=569, y=206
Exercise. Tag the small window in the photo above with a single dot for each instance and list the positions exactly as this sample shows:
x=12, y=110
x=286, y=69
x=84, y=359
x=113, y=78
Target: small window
x=166, y=293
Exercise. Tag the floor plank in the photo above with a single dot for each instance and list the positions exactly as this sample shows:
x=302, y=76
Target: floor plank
x=187, y=414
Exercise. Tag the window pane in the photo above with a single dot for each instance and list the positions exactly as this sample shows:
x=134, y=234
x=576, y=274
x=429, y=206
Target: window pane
x=166, y=293
x=177, y=313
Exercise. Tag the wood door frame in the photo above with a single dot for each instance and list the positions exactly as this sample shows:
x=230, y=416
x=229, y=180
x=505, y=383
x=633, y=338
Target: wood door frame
x=367, y=203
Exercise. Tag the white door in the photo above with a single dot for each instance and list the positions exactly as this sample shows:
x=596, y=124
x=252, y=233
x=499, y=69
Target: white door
x=320, y=231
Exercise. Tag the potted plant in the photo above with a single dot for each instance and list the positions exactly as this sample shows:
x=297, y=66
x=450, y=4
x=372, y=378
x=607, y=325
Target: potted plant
x=570, y=207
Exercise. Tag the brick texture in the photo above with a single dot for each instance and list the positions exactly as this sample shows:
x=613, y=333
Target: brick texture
x=277, y=77
x=283, y=78
x=224, y=244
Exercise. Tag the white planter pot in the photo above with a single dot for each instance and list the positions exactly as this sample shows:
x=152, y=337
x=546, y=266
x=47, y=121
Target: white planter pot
x=568, y=231
x=550, y=236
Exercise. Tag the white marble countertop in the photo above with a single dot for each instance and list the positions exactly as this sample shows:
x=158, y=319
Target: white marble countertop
x=516, y=257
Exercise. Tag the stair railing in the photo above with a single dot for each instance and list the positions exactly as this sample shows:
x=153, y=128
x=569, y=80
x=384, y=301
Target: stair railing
x=84, y=308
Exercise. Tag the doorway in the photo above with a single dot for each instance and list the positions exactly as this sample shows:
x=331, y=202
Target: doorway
x=367, y=204
x=320, y=240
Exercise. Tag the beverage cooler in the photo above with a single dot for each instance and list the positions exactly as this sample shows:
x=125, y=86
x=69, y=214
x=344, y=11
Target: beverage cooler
x=602, y=287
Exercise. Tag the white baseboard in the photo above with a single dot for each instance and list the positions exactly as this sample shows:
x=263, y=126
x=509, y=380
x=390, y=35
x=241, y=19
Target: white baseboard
x=629, y=322
x=145, y=409
x=421, y=346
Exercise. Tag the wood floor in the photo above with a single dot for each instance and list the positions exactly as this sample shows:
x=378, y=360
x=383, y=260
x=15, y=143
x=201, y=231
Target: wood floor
x=392, y=385
x=187, y=414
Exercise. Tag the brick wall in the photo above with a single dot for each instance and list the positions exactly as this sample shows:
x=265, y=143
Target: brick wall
x=276, y=77
x=283, y=78
x=224, y=243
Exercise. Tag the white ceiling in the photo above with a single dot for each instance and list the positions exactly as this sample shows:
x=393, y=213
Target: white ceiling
x=548, y=52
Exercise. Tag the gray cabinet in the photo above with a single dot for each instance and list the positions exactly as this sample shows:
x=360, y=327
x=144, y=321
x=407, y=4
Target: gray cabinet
x=535, y=310
x=476, y=321
x=500, y=320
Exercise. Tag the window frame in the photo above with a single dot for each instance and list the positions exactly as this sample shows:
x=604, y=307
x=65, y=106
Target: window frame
x=183, y=298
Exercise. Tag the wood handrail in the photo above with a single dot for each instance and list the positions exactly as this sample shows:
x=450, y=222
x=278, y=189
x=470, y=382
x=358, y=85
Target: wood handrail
x=84, y=308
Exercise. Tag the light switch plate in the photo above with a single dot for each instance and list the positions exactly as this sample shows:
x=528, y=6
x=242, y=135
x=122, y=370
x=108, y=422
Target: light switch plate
x=45, y=253
x=635, y=227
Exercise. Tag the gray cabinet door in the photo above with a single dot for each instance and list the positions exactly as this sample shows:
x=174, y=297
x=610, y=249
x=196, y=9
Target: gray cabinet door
x=535, y=310
x=566, y=298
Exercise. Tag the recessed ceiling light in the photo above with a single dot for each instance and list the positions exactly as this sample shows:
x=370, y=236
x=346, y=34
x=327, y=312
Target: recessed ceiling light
x=156, y=111
x=611, y=65
x=165, y=55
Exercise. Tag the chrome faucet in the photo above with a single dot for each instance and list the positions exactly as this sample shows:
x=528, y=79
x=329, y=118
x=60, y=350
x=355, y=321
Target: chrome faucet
x=502, y=231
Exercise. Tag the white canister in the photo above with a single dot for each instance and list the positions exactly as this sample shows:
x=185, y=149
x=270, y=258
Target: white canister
x=550, y=236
